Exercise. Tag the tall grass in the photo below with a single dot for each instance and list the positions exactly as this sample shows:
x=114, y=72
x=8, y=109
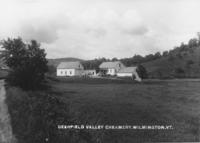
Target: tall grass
x=35, y=116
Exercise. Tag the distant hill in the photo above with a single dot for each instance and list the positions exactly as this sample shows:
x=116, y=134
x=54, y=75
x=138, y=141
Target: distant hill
x=55, y=62
x=178, y=64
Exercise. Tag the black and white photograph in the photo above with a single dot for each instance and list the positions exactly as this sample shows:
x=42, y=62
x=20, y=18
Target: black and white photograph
x=99, y=71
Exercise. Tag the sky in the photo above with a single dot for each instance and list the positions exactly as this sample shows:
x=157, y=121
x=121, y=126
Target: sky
x=89, y=29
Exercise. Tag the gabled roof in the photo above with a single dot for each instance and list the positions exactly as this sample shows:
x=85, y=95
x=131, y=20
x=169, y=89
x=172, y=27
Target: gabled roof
x=128, y=70
x=109, y=64
x=70, y=65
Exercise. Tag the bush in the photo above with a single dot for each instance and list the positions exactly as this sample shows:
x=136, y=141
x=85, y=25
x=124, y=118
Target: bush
x=27, y=63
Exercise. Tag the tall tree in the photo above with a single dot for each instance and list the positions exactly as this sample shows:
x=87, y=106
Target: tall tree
x=27, y=62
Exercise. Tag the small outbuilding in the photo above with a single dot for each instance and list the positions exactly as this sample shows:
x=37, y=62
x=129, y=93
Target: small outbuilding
x=90, y=72
x=70, y=69
x=129, y=72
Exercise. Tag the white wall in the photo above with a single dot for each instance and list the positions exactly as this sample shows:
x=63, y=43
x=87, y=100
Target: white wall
x=116, y=69
x=78, y=72
x=66, y=72
x=119, y=66
x=111, y=72
x=124, y=74
x=130, y=75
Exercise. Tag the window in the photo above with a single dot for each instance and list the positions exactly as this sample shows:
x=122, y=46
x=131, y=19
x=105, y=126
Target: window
x=61, y=72
x=70, y=72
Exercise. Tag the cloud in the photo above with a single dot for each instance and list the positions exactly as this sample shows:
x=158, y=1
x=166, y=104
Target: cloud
x=43, y=30
x=138, y=31
x=141, y=30
x=42, y=34
x=132, y=23
x=96, y=32
x=96, y=28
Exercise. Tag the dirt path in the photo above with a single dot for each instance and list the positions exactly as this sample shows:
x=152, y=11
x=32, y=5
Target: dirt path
x=6, y=135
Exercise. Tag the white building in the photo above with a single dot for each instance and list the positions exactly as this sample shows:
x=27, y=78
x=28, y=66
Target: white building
x=129, y=72
x=111, y=68
x=70, y=69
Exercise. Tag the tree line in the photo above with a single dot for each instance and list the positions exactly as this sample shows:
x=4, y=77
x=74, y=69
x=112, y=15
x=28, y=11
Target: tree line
x=138, y=59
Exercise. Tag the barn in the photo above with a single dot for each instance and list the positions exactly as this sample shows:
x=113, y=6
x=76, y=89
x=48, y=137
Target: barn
x=129, y=72
x=111, y=68
x=70, y=69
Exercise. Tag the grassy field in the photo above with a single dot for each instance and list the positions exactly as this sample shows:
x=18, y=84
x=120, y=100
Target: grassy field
x=171, y=102
x=118, y=102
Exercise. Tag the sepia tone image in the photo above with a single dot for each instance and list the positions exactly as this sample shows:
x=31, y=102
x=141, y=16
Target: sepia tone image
x=99, y=71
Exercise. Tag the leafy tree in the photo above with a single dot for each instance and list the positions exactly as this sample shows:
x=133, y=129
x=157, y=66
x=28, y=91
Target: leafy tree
x=149, y=57
x=179, y=55
x=27, y=62
x=114, y=59
x=193, y=43
x=171, y=56
x=178, y=72
x=51, y=69
x=137, y=59
x=142, y=71
x=183, y=47
x=189, y=63
x=157, y=55
x=165, y=53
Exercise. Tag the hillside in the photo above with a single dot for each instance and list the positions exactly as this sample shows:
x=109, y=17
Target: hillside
x=179, y=64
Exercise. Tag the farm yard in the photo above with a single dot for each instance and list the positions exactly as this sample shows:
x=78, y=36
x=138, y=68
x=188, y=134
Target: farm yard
x=158, y=102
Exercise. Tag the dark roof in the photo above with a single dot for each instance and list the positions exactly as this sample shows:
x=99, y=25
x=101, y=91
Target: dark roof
x=109, y=64
x=70, y=65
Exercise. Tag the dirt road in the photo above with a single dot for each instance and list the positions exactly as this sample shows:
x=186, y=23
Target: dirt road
x=6, y=135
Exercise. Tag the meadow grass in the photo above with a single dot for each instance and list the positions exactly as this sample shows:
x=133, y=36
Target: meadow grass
x=119, y=102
